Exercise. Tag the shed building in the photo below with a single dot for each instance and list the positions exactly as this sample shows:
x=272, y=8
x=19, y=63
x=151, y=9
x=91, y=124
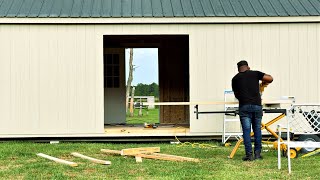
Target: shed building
x=55, y=56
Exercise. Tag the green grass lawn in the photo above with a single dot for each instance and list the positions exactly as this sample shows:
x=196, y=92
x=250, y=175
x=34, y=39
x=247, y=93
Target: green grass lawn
x=149, y=116
x=18, y=160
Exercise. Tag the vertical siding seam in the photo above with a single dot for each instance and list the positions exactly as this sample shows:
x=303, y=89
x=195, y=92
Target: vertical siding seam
x=279, y=54
x=95, y=86
x=29, y=71
x=58, y=68
x=318, y=56
x=38, y=63
x=308, y=57
x=11, y=81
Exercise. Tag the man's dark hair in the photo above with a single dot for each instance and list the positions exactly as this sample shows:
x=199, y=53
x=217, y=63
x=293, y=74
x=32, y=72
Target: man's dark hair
x=242, y=63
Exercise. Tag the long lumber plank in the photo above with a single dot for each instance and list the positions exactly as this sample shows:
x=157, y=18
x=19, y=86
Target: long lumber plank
x=178, y=157
x=98, y=161
x=109, y=151
x=265, y=102
x=168, y=158
x=133, y=151
x=57, y=160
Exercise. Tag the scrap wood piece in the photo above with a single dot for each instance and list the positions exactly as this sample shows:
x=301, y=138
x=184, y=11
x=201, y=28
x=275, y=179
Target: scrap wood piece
x=138, y=158
x=144, y=150
x=167, y=157
x=98, y=161
x=110, y=151
x=57, y=160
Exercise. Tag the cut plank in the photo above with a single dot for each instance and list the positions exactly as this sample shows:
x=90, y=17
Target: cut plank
x=57, y=160
x=138, y=158
x=145, y=150
x=280, y=101
x=109, y=151
x=178, y=157
x=98, y=161
x=167, y=157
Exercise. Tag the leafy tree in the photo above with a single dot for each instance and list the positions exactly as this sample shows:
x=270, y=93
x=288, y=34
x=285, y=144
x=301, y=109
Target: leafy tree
x=147, y=89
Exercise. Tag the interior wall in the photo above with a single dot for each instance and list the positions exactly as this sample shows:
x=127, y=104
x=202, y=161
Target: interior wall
x=174, y=79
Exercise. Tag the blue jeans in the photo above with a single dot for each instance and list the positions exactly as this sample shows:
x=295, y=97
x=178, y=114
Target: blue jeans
x=251, y=114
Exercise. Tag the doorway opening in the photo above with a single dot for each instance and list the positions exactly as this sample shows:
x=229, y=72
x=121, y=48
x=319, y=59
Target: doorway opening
x=142, y=85
x=173, y=75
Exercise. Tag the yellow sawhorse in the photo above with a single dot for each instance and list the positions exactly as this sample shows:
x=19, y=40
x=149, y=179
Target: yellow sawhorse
x=263, y=126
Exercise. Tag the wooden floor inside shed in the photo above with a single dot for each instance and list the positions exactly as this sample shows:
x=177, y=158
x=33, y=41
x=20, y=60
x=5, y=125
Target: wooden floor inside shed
x=140, y=130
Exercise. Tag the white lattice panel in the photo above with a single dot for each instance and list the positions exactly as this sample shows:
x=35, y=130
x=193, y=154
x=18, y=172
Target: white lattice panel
x=305, y=118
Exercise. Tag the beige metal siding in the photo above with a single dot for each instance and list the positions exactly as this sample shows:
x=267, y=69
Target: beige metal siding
x=289, y=52
x=51, y=75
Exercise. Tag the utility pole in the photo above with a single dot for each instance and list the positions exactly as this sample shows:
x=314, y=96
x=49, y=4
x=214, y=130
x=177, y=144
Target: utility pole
x=131, y=102
x=130, y=78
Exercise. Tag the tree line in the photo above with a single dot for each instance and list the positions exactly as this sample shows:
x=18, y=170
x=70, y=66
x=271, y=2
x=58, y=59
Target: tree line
x=147, y=90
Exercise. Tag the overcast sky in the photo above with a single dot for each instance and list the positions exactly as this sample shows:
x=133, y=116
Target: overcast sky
x=146, y=63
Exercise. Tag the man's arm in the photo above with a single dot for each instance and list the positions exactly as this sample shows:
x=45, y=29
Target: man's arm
x=266, y=79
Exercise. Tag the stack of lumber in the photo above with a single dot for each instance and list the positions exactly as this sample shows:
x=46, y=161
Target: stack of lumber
x=148, y=153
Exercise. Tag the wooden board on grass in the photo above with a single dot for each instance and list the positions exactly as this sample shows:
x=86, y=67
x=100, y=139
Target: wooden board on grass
x=145, y=150
x=109, y=151
x=167, y=157
x=98, y=161
x=57, y=160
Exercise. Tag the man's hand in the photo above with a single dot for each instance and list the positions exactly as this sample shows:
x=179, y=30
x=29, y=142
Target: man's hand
x=262, y=85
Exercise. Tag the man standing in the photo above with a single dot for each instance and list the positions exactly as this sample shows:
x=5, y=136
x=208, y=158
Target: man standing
x=245, y=86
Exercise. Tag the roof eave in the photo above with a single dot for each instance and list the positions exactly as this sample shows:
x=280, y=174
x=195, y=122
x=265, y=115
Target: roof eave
x=162, y=20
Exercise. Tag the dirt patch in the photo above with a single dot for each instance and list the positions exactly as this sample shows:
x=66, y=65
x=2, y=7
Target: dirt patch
x=31, y=160
x=16, y=178
x=3, y=168
x=89, y=171
x=13, y=158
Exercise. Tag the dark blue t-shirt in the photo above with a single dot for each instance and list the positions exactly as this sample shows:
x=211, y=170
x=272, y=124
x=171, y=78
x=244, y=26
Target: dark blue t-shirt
x=245, y=86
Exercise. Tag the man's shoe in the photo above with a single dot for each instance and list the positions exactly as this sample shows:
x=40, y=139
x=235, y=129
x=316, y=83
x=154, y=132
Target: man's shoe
x=248, y=157
x=257, y=155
